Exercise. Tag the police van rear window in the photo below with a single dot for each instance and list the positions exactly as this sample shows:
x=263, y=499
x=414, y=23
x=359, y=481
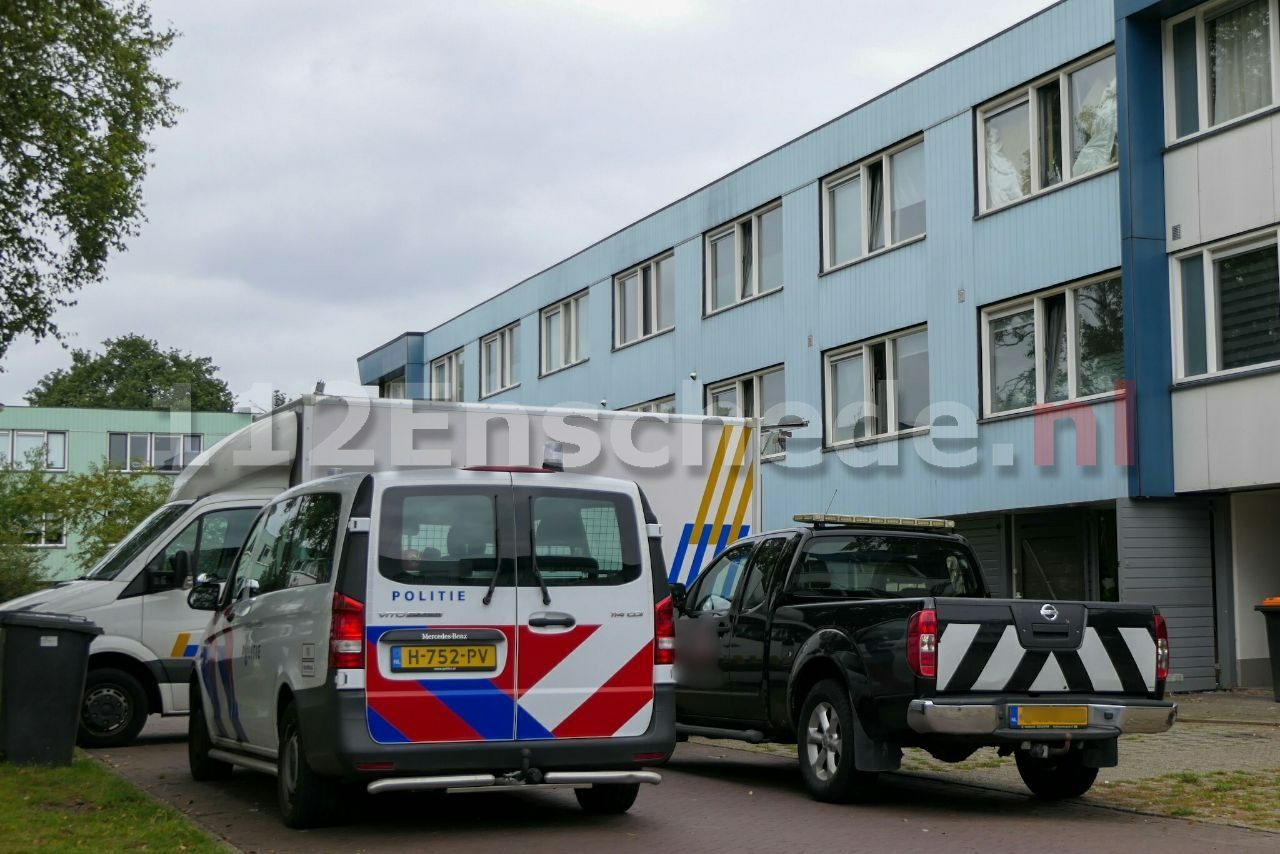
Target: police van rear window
x=434, y=537
x=582, y=538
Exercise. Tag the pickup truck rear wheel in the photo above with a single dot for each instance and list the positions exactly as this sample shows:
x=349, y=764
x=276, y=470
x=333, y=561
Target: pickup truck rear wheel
x=824, y=739
x=1057, y=777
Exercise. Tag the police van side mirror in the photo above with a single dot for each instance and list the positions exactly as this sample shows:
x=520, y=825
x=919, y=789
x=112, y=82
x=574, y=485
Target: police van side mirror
x=679, y=595
x=205, y=596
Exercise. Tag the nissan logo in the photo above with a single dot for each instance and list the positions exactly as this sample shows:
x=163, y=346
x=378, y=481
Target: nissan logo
x=1048, y=611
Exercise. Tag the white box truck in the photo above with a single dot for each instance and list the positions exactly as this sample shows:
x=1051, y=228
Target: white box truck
x=699, y=474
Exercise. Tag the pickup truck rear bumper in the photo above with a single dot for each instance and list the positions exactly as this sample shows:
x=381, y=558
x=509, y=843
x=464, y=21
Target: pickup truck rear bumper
x=991, y=719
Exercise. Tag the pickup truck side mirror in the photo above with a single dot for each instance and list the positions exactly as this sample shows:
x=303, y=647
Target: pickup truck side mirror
x=679, y=595
x=205, y=596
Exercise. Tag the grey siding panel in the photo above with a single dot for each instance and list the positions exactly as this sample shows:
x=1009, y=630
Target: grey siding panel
x=1166, y=559
x=986, y=535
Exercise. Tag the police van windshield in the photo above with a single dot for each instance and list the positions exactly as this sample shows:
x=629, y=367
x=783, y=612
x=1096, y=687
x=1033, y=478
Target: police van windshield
x=885, y=566
x=114, y=562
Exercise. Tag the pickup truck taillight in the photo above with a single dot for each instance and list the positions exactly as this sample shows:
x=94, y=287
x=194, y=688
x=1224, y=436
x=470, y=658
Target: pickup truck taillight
x=922, y=643
x=1162, y=648
x=664, y=632
x=346, y=634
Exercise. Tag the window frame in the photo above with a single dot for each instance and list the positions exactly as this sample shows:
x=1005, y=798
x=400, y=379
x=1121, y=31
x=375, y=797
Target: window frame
x=756, y=378
x=1203, y=125
x=859, y=171
x=1036, y=301
x=507, y=342
x=453, y=366
x=1027, y=94
x=41, y=527
x=148, y=464
x=570, y=310
x=652, y=407
x=735, y=228
x=654, y=303
x=1210, y=254
x=393, y=389
x=861, y=349
x=9, y=452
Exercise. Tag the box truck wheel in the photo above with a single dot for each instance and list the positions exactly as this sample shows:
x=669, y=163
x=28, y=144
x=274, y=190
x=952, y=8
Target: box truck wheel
x=114, y=708
x=1057, y=777
x=307, y=799
x=203, y=767
x=824, y=740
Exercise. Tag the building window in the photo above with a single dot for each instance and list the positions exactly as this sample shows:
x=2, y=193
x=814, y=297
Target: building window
x=644, y=300
x=393, y=389
x=162, y=452
x=873, y=205
x=564, y=333
x=1055, y=130
x=1064, y=344
x=446, y=377
x=500, y=360
x=877, y=388
x=21, y=446
x=744, y=258
x=46, y=532
x=1228, y=307
x=661, y=406
x=1219, y=64
x=758, y=395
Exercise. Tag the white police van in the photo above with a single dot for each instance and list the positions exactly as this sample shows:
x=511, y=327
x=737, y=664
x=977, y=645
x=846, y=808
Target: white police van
x=440, y=630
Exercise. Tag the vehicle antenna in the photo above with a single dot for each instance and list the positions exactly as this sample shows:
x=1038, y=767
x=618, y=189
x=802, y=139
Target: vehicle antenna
x=832, y=501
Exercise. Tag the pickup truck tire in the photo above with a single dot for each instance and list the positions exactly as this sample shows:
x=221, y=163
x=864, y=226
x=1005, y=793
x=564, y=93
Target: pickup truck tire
x=113, y=709
x=1056, y=777
x=306, y=799
x=612, y=799
x=824, y=741
x=203, y=767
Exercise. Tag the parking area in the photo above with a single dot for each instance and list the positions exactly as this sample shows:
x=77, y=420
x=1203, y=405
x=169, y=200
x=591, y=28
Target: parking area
x=713, y=798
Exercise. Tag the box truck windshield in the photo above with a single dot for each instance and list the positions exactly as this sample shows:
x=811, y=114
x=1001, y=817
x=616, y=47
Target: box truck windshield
x=115, y=561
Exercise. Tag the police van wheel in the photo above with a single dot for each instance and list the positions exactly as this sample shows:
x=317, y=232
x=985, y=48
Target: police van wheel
x=1057, y=777
x=203, y=767
x=611, y=799
x=307, y=799
x=824, y=740
x=113, y=709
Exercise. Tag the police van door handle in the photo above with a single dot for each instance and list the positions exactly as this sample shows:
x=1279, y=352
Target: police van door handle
x=551, y=619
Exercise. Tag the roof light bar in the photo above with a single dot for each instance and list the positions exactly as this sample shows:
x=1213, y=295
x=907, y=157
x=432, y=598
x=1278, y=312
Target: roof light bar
x=887, y=521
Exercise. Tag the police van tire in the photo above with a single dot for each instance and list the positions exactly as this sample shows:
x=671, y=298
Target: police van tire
x=1057, y=777
x=113, y=709
x=306, y=799
x=203, y=767
x=611, y=799
x=824, y=742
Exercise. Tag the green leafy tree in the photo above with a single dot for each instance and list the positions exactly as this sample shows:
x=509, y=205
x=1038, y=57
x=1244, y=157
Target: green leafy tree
x=133, y=373
x=27, y=497
x=102, y=505
x=78, y=99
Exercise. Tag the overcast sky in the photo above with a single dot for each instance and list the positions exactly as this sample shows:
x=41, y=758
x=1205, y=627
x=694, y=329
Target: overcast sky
x=343, y=172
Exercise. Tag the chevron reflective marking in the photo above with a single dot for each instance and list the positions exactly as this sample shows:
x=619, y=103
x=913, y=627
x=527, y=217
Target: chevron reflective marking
x=1002, y=663
x=1143, y=648
x=639, y=722
x=1050, y=677
x=1096, y=661
x=952, y=645
x=383, y=732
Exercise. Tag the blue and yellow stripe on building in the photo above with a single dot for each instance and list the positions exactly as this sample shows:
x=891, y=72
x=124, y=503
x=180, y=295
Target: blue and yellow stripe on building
x=722, y=512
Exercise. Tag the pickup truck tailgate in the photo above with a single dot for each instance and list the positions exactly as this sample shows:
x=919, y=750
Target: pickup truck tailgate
x=1016, y=646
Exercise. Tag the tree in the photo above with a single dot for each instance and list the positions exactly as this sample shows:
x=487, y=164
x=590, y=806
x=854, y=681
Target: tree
x=133, y=373
x=102, y=505
x=27, y=500
x=80, y=98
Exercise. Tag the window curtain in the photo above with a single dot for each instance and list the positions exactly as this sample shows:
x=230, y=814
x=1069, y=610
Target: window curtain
x=1100, y=146
x=1004, y=182
x=1240, y=60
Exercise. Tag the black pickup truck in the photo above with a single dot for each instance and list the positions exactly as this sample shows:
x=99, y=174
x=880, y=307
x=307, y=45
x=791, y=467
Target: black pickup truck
x=854, y=637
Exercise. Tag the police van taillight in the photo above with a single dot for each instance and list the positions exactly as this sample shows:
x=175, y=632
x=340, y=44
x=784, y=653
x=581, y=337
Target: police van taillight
x=346, y=634
x=922, y=643
x=1162, y=648
x=664, y=632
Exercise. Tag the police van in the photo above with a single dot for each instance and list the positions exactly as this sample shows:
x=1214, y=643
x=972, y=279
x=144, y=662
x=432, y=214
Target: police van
x=445, y=630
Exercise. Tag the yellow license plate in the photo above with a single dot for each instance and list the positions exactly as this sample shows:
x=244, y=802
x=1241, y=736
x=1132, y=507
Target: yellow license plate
x=1036, y=717
x=444, y=659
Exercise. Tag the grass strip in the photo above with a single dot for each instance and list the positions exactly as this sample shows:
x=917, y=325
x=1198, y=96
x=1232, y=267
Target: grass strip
x=85, y=807
x=1250, y=798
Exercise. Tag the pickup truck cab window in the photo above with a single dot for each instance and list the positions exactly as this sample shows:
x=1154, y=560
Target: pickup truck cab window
x=883, y=567
x=715, y=590
x=761, y=571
